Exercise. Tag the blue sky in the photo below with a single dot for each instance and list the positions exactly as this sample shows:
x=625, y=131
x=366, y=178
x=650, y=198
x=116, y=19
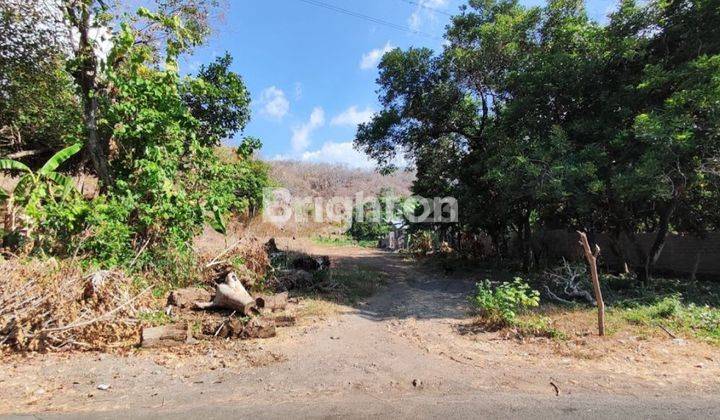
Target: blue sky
x=311, y=71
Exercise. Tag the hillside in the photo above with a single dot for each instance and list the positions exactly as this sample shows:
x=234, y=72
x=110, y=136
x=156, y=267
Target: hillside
x=326, y=180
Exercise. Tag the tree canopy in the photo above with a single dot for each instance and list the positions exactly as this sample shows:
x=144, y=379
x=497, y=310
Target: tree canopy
x=539, y=117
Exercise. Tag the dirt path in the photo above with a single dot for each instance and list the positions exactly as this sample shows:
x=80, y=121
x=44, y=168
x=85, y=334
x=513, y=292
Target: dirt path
x=398, y=354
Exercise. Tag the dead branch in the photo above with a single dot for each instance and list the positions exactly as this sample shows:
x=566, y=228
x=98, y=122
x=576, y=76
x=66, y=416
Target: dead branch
x=592, y=261
x=103, y=317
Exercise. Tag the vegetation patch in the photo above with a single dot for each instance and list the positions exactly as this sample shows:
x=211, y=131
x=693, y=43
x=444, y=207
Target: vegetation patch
x=673, y=316
x=507, y=307
x=343, y=241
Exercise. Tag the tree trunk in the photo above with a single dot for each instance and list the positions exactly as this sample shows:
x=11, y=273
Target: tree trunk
x=653, y=255
x=526, y=243
x=272, y=303
x=617, y=248
x=640, y=257
x=85, y=76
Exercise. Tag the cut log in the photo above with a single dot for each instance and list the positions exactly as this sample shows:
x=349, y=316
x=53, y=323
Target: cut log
x=231, y=295
x=272, y=303
x=166, y=336
x=186, y=298
x=230, y=328
x=259, y=328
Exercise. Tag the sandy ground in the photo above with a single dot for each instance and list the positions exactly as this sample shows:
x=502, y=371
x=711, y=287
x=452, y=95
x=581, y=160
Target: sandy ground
x=402, y=353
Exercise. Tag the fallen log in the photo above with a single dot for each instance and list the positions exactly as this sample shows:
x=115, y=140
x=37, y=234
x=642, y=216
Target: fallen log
x=186, y=298
x=231, y=295
x=166, y=336
x=272, y=303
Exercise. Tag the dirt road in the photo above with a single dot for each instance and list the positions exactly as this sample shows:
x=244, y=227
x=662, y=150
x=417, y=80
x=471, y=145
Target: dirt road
x=400, y=354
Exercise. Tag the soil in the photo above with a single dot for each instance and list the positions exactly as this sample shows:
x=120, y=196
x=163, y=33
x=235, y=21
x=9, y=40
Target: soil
x=409, y=351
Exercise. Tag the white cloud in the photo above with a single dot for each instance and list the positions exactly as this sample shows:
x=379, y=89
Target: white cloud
x=274, y=103
x=301, y=134
x=371, y=59
x=423, y=12
x=342, y=153
x=352, y=116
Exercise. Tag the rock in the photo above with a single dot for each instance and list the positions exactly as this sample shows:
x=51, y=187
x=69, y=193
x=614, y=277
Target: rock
x=186, y=298
x=103, y=387
x=235, y=327
x=679, y=342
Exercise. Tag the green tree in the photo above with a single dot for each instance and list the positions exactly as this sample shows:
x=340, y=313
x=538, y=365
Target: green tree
x=218, y=99
x=541, y=118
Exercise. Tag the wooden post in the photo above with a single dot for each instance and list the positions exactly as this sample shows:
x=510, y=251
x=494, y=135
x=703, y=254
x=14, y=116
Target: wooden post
x=592, y=261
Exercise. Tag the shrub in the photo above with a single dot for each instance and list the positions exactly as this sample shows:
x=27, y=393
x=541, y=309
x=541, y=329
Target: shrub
x=501, y=305
x=645, y=314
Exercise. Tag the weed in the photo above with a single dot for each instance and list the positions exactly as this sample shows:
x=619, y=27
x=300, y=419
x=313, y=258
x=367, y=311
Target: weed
x=702, y=321
x=538, y=326
x=500, y=305
x=154, y=317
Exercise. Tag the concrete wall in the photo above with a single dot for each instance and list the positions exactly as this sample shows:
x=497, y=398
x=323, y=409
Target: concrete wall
x=680, y=254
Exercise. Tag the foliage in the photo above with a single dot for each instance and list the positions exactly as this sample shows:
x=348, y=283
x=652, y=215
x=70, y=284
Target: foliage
x=39, y=111
x=46, y=196
x=421, y=243
x=539, y=117
x=500, y=305
x=670, y=312
x=218, y=99
x=248, y=147
x=158, y=133
x=377, y=217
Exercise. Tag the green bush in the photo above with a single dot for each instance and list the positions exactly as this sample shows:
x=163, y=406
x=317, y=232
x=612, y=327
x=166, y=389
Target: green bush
x=500, y=305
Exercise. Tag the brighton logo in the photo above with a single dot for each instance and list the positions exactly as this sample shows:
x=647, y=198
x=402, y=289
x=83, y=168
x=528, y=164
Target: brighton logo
x=281, y=207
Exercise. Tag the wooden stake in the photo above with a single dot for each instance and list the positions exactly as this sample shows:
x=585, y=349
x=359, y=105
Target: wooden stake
x=592, y=261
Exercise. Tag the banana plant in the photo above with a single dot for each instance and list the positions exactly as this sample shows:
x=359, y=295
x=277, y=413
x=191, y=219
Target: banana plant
x=33, y=187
